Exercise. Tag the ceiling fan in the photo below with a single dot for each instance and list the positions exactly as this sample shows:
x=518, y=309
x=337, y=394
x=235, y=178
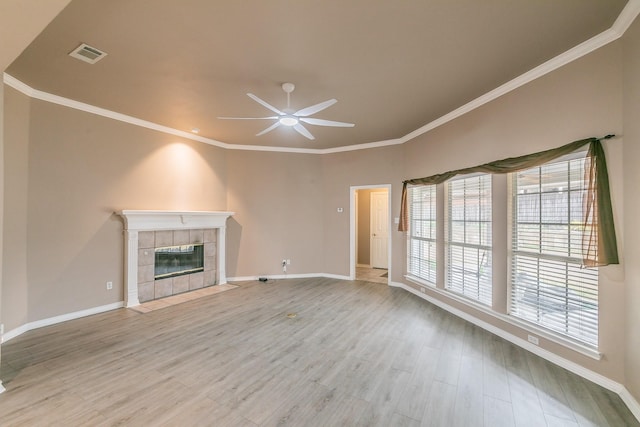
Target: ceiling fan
x=288, y=117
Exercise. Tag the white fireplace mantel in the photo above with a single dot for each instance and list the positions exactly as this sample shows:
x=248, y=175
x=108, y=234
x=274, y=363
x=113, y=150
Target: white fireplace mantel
x=147, y=220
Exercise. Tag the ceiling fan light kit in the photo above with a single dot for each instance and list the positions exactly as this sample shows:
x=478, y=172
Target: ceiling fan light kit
x=288, y=118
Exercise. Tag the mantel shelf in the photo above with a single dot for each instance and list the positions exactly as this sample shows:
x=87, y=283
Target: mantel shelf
x=147, y=220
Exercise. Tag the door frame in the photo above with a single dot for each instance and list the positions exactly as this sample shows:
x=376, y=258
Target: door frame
x=353, y=238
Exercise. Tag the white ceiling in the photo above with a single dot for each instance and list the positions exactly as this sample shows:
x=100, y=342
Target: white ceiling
x=394, y=66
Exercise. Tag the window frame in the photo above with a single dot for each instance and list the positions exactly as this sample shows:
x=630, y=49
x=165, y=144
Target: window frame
x=412, y=236
x=483, y=296
x=549, y=302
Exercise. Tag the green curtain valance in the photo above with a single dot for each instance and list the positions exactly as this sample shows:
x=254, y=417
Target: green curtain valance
x=599, y=243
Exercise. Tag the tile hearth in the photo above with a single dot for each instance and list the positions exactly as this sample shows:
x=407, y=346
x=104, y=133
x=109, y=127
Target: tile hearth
x=158, y=304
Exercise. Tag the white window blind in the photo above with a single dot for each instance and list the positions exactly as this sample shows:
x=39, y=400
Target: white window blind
x=548, y=286
x=468, y=237
x=421, y=250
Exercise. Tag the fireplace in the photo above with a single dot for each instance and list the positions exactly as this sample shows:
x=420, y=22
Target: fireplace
x=169, y=252
x=173, y=261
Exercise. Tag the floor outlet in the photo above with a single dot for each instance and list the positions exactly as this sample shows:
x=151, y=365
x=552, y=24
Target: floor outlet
x=532, y=339
x=109, y=285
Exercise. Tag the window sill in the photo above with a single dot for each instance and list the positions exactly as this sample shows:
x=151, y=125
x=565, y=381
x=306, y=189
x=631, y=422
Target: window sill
x=419, y=281
x=525, y=326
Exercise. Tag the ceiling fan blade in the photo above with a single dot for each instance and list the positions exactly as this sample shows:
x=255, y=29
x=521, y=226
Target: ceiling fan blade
x=302, y=131
x=315, y=108
x=248, y=118
x=265, y=104
x=269, y=129
x=321, y=122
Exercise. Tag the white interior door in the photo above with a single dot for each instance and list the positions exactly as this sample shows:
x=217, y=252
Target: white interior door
x=379, y=229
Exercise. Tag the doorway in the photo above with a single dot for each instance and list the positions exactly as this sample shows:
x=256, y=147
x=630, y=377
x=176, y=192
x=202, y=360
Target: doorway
x=370, y=233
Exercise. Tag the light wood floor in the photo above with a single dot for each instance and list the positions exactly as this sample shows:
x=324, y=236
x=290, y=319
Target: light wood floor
x=355, y=353
x=375, y=275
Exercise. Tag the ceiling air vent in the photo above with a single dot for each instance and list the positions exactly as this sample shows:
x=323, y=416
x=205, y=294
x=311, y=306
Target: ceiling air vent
x=86, y=53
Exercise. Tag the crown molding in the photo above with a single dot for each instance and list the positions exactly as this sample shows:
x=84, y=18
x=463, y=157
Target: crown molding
x=626, y=17
x=617, y=30
x=27, y=90
x=11, y=81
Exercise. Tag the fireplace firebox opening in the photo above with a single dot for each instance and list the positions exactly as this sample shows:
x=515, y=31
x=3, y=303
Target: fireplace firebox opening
x=173, y=261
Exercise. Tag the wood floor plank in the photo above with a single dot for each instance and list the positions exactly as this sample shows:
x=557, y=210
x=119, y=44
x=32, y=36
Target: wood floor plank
x=552, y=397
x=351, y=353
x=344, y=410
x=469, y=408
x=389, y=388
x=384, y=416
x=304, y=408
x=414, y=397
x=527, y=410
x=440, y=407
x=611, y=406
x=498, y=413
x=495, y=381
x=585, y=409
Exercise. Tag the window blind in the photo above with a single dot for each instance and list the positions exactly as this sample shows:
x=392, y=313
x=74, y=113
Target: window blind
x=548, y=285
x=421, y=250
x=468, y=237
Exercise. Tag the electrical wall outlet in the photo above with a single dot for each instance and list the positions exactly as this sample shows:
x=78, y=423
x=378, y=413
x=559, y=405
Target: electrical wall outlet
x=288, y=262
x=532, y=339
x=109, y=285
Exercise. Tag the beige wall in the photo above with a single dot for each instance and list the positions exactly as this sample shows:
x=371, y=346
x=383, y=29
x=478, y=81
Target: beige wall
x=68, y=171
x=66, y=183
x=2, y=180
x=278, y=202
x=341, y=171
x=20, y=22
x=632, y=206
x=15, y=294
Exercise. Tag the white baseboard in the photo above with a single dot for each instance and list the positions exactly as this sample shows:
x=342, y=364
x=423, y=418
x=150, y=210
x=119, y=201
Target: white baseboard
x=335, y=276
x=631, y=402
x=287, y=276
x=59, y=319
x=577, y=369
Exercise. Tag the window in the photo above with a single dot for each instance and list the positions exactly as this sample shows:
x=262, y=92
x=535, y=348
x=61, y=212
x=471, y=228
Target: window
x=421, y=259
x=468, y=237
x=548, y=285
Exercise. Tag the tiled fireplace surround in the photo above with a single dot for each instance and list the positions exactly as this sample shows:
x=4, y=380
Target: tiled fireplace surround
x=147, y=230
x=149, y=288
